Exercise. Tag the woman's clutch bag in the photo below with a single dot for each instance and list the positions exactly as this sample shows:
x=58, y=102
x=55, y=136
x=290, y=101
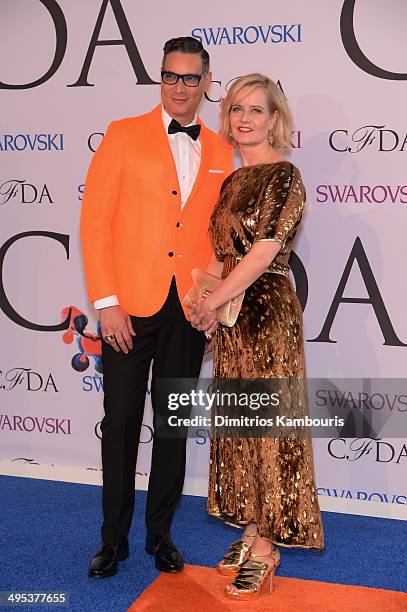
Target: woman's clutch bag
x=204, y=284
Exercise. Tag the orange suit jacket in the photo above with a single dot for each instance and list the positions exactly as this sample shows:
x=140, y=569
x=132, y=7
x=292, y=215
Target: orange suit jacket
x=135, y=237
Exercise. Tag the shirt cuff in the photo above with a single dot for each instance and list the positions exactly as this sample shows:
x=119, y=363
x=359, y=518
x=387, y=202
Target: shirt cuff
x=111, y=300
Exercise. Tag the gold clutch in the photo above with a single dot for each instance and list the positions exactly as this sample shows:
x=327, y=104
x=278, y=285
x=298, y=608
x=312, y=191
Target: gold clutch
x=203, y=284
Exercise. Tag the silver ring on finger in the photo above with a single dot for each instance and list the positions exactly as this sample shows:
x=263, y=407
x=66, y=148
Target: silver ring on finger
x=109, y=338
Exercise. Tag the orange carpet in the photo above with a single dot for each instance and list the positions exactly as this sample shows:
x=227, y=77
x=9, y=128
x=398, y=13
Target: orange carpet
x=199, y=589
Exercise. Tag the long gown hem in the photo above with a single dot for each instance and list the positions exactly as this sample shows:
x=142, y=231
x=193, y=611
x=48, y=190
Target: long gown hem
x=275, y=542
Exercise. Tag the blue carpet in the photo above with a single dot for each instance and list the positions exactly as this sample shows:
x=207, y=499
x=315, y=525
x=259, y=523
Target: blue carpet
x=49, y=530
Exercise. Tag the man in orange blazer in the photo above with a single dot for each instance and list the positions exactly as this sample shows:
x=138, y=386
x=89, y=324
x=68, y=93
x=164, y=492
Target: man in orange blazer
x=148, y=197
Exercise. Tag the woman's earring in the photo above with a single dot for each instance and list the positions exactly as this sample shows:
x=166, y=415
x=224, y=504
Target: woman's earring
x=270, y=137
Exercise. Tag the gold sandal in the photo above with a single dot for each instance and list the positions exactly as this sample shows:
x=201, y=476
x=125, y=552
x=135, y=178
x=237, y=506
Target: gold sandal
x=252, y=577
x=238, y=553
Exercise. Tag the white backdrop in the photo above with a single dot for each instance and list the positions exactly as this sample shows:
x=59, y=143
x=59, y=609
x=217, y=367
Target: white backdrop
x=347, y=90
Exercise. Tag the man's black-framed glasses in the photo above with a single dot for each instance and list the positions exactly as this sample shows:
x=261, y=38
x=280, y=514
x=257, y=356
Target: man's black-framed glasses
x=189, y=80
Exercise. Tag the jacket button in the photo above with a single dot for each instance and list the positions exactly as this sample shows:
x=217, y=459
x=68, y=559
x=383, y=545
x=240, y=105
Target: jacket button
x=174, y=192
x=178, y=224
x=170, y=254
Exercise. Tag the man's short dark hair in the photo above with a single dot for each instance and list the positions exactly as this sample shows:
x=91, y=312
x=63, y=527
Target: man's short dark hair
x=187, y=44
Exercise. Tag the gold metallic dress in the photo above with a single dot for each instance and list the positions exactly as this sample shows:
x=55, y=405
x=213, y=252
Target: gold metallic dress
x=269, y=481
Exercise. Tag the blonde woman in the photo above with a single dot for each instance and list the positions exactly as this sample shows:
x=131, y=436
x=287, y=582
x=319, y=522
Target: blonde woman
x=265, y=485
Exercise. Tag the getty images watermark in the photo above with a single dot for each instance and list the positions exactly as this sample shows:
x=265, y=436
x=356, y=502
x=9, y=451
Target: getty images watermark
x=231, y=400
x=270, y=408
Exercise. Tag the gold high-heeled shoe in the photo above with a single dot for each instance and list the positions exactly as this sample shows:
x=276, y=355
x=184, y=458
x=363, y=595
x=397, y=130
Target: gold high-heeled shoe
x=252, y=577
x=238, y=553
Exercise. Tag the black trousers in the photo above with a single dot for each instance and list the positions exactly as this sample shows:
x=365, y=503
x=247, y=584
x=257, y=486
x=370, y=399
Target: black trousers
x=176, y=349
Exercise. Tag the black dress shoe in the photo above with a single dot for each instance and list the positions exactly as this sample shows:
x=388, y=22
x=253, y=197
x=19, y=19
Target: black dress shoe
x=104, y=563
x=167, y=557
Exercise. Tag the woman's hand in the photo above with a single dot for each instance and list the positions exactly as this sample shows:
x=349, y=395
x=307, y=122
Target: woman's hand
x=209, y=346
x=202, y=315
x=189, y=300
x=210, y=336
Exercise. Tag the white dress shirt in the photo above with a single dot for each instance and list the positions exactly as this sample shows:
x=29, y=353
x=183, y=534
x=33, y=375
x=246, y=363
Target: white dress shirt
x=187, y=157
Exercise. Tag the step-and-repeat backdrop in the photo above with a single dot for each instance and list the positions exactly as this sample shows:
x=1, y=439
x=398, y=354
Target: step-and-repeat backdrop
x=67, y=68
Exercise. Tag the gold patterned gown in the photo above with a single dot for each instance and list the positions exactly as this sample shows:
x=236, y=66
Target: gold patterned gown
x=269, y=481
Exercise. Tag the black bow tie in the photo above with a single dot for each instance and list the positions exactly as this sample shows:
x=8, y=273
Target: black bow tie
x=191, y=130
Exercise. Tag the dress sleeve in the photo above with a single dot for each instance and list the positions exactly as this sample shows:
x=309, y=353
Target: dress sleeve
x=281, y=206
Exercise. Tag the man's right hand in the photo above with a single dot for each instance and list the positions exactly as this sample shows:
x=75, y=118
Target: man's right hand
x=114, y=321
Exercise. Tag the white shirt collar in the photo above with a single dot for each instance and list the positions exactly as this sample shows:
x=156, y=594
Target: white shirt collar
x=167, y=120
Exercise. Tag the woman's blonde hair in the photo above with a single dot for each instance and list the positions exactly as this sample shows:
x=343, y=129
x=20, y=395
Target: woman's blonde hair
x=282, y=129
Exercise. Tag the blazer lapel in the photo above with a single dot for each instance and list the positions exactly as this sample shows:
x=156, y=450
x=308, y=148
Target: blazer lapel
x=204, y=165
x=159, y=140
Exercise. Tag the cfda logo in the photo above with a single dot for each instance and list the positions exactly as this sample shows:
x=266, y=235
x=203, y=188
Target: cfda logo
x=18, y=190
x=26, y=379
x=57, y=17
x=353, y=49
